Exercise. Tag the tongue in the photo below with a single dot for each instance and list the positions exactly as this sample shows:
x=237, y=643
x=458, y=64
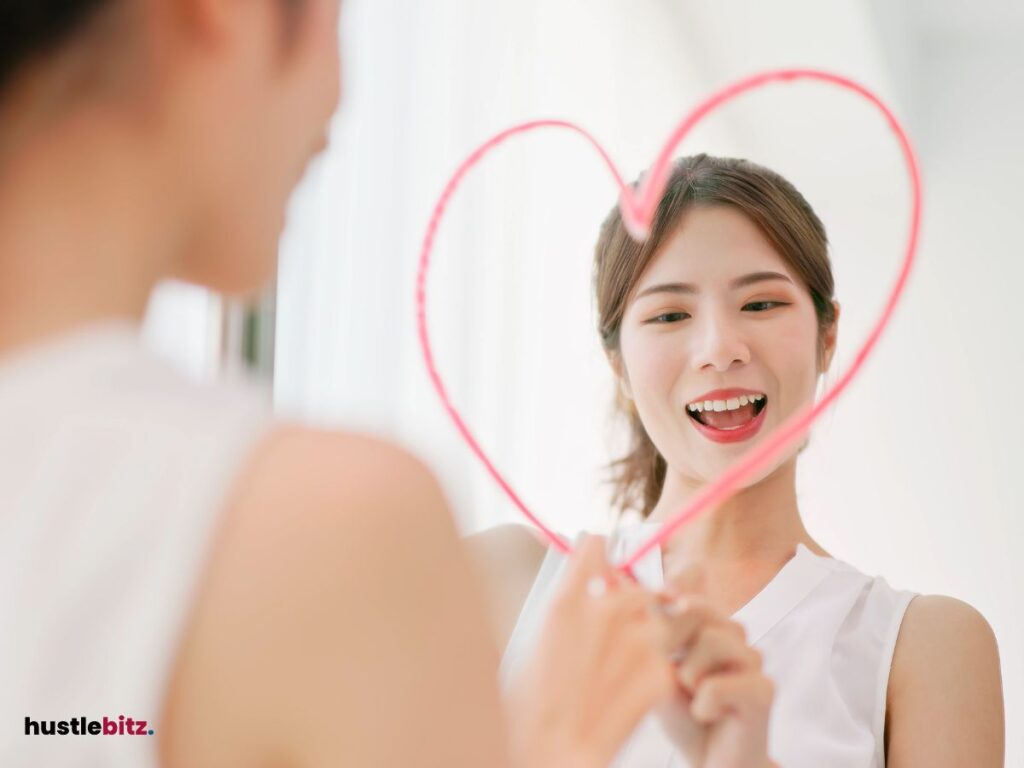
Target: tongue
x=729, y=419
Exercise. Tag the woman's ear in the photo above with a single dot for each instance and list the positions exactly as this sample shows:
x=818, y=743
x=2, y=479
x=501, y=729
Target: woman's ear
x=831, y=337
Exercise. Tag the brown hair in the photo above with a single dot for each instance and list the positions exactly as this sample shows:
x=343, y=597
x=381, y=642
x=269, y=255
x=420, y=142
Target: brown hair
x=767, y=199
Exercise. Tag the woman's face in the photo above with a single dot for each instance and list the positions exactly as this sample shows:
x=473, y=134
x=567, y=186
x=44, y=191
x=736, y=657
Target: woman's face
x=254, y=108
x=718, y=309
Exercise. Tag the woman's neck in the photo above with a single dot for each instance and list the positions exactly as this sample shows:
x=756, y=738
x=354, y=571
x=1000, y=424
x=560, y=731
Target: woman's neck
x=79, y=235
x=760, y=523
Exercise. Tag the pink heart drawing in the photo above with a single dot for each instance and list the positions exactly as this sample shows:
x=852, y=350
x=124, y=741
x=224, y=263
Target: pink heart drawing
x=637, y=213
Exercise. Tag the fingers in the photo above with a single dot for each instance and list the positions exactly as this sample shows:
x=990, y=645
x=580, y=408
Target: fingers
x=719, y=647
x=589, y=561
x=742, y=694
x=596, y=617
x=687, y=617
x=620, y=646
x=639, y=677
x=636, y=642
x=592, y=580
x=612, y=663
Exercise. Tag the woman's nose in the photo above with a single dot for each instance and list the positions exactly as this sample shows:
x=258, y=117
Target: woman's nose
x=719, y=345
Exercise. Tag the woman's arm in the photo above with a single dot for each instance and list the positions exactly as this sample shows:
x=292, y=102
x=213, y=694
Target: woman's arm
x=945, y=699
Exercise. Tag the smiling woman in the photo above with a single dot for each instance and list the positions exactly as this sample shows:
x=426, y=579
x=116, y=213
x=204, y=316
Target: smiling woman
x=767, y=220
x=717, y=329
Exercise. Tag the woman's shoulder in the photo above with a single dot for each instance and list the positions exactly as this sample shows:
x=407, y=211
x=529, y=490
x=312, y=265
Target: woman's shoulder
x=945, y=672
x=332, y=546
x=332, y=481
x=941, y=633
x=326, y=461
x=508, y=558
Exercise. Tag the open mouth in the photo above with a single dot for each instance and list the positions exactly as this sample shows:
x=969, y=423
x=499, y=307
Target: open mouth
x=727, y=415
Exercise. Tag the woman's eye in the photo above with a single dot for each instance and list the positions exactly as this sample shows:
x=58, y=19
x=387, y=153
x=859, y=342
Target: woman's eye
x=668, y=317
x=764, y=306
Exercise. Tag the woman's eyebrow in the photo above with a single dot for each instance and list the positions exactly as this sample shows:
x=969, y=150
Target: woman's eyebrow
x=690, y=288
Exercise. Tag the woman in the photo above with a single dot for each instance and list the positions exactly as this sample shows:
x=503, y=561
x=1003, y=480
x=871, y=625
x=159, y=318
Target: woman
x=717, y=329
x=173, y=561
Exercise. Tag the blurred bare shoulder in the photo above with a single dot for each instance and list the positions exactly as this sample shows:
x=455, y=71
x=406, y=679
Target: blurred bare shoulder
x=339, y=608
x=507, y=558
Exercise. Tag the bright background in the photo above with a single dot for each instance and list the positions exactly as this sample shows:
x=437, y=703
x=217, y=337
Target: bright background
x=912, y=475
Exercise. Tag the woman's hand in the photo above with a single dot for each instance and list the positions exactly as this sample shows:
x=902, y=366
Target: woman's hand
x=719, y=715
x=601, y=664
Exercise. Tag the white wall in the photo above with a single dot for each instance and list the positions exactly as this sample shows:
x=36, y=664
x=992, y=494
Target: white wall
x=183, y=325
x=962, y=337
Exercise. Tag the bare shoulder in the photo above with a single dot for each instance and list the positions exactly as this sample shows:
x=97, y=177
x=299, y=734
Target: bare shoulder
x=507, y=557
x=945, y=701
x=315, y=464
x=337, y=580
x=942, y=630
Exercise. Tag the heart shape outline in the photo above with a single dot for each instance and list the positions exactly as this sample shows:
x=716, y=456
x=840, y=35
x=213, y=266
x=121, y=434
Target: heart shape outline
x=637, y=214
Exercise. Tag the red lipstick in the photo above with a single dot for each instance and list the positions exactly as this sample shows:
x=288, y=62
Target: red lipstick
x=729, y=434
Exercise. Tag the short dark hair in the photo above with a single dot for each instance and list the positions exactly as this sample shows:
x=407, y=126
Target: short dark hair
x=34, y=28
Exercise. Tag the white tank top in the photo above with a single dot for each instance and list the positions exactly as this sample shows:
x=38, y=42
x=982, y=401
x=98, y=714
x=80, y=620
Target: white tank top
x=826, y=632
x=113, y=473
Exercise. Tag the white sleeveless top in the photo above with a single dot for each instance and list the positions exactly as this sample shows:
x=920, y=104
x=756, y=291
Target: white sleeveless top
x=826, y=632
x=113, y=474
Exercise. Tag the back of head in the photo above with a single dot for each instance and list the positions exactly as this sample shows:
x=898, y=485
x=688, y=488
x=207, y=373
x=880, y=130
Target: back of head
x=213, y=108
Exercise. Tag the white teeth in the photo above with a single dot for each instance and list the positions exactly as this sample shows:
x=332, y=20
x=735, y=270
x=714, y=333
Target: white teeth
x=724, y=405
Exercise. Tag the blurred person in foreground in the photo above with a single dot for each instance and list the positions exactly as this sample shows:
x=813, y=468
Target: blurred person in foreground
x=251, y=592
